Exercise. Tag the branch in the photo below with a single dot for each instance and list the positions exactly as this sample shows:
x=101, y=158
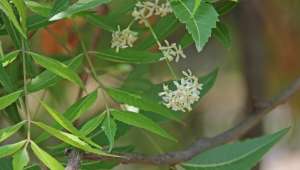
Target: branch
x=201, y=145
x=74, y=160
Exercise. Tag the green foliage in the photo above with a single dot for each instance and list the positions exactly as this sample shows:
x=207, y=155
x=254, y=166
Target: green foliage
x=136, y=100
x=9, y=131
x=200, y=24
x=239, y=156
x=9, y=99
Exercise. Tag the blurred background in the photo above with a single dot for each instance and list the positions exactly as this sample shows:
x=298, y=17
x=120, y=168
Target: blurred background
x=262, y=59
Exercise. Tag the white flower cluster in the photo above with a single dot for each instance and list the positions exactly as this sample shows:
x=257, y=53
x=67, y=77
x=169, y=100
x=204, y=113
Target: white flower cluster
x=187, y=92
x=171, y=52
x=144, y=10
x=123, y=38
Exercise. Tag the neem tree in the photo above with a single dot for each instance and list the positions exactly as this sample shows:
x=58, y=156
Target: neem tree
x=141, y=41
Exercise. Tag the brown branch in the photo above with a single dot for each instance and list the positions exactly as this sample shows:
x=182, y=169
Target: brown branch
x=201, y=145
x=74, y=160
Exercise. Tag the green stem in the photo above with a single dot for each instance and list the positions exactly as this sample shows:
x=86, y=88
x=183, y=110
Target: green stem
x=159, y=45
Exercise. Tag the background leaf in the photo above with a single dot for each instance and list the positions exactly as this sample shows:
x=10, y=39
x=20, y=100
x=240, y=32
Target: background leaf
x=110, y=129
x=140, y=121
x=10, y=149
x=239, y=156
x=9, y=99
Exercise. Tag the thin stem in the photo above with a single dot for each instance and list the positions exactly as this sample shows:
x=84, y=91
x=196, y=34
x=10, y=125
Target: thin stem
x=91, y=67
x=159, y=45
x=25, y=106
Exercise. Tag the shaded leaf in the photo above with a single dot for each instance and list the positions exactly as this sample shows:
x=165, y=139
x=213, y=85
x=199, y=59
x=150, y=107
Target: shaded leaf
x=59, y=5
x=140, y=121
x=223, y=7
x=222, y=34
x=142, y=102
x=57, y=67
x=10, y=149
x=237, y=156
x=92, y=124
x=20, y=5
x=79, y=6
x=64, y=122
x=9, y=99
x=128, y=56
x=20, y=159
x=200, y=24
x=40, y=9
x=110, y=129
x=9, y=131
x=9, y=58
x=46, y=158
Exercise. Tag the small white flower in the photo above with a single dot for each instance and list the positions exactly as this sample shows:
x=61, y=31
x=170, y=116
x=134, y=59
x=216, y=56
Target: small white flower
x=123, y=38
x=187, y=92
x=144, y=10
x=171, y=52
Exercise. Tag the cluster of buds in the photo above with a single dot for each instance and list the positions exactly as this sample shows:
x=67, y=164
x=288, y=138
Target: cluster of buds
x=144, y=10
x=123, y=38
x=171, y=52
x=187, y=92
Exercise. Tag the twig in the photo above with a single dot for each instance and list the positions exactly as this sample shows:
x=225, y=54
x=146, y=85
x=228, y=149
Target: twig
x=201, y=145
x=74, y=160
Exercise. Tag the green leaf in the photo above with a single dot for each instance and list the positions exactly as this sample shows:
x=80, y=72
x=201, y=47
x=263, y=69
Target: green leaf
x=79, y=6
x=223, y=7
x=59, y=5
x=64, y=122
x=200, y=24
x=142, y=102
x=128, y=56
x=10, y=149
x=222, y=34
x=47, y=79
x=9, y=99
x=46, y=158
x=70, y=139
x=40, y=9
x=9, y=12
x=197, y=4
x=20, y=5
x=92, y=124
x=110, y=129
x=73, y=113
x=239, y=156
x=9, y=131
x=140, y=121
x=99, y=21
x=20, y=159
x=9, y=58
x=58, y=68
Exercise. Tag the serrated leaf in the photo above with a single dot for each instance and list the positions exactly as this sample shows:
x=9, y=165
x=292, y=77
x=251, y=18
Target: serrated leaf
x=10, y=149
x=70, y=139
x=79, y=6
x=236, y=156
x=47, y=79
x=140, y=121
x=200, y=24
x=57, y=67
x=197, y=3
x=9, y=58
x=9, y=99
x=128, y=56
x=110, y=129
x=142, y=102
x=9, y=131
x=73, y=113
x=222, y=34
x=20, y=159
x=64, y=122
x=46, y=158
x=7, y=9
